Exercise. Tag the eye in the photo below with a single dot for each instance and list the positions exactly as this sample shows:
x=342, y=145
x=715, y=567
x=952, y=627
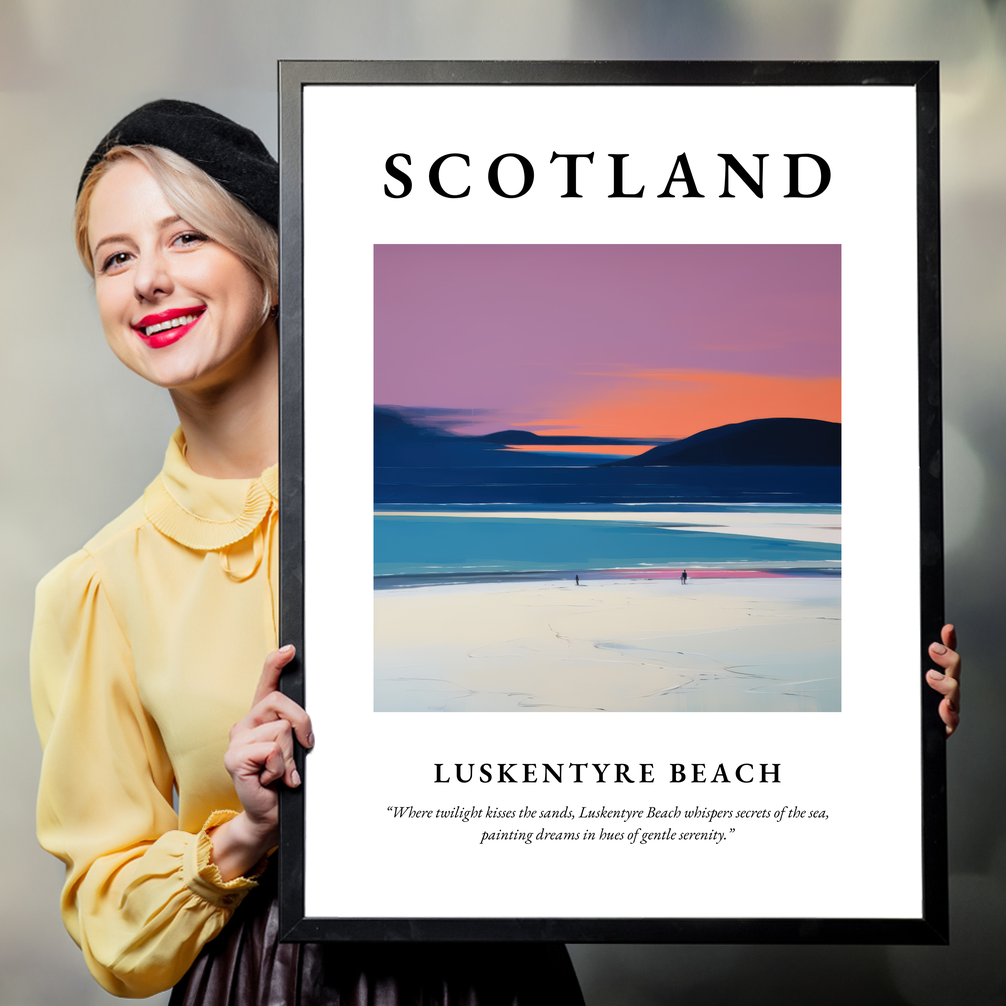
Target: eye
x=115, y=261
x=189, y=239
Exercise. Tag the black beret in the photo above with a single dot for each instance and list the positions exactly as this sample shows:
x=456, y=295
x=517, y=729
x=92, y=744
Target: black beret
x=231, y=154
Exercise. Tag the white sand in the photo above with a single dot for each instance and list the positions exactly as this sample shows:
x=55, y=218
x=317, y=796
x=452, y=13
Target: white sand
x=716, y=644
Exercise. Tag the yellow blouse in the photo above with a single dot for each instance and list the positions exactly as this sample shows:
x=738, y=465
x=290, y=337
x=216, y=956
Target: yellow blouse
x=147, y=647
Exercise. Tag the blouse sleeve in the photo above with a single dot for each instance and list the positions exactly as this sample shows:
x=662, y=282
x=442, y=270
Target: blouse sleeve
x=141, y=898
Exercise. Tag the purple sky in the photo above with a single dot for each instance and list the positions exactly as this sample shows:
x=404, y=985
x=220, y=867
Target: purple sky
x=519, y=329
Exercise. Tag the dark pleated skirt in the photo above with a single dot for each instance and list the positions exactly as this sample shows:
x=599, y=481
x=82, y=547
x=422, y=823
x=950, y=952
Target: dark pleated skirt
x=246, y=965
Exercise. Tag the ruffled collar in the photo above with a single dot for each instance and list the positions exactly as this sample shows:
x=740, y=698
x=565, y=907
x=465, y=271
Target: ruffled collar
x=203, y=513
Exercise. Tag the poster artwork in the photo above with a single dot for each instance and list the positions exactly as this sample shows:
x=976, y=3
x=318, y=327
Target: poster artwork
x=607, y=477
x=573, y=430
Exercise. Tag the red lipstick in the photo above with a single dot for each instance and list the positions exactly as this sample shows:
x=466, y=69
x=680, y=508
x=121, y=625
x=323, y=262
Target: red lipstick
x=166, y=327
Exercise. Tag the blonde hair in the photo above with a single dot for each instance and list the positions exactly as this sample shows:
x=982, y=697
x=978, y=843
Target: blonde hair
x=199, y=200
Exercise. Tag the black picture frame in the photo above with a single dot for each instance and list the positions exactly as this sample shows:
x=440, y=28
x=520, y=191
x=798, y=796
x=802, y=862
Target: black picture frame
x=931, y=926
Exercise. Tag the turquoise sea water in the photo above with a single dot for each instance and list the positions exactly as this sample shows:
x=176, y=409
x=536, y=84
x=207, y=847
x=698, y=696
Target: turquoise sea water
x=429, y=545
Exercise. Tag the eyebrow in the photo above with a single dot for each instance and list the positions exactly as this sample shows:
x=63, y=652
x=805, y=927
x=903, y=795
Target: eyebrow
x=111, y=238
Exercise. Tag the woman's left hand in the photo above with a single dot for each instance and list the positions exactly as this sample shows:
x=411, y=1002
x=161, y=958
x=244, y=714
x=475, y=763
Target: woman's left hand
x=948, y=681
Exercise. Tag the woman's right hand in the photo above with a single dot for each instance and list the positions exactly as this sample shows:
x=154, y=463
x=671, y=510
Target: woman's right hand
x=259, y=754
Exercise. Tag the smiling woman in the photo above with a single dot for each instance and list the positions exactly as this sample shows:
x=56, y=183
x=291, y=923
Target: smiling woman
x=149, y=643
x=204, y=204
x=157, y=278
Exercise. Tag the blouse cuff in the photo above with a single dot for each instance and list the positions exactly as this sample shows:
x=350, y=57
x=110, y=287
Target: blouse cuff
x=202, y=876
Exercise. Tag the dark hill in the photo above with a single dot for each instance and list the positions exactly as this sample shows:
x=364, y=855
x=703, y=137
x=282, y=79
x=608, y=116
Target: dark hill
x=790, y=442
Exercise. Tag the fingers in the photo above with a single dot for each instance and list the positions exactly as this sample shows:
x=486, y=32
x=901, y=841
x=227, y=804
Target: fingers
x=949, y=636
x=280, y=763
x=271, y=671
x=948, y=660
x=947, y=686
x=945, y=655
x=948, y=709
x=262, y=761
x=277, y=706
x=261, y=750
x=270, y=703
x=947, y=680
x=265, y=751
x=951, y=718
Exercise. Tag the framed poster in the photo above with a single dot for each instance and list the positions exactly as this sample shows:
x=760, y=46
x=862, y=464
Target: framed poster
x=611, y=501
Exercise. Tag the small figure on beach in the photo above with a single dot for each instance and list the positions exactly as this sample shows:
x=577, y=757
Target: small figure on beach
x=684, y=576
x=578, y=579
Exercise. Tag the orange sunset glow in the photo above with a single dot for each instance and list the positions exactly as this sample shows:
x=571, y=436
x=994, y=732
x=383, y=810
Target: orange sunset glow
x=623, y=449
x=678, y=403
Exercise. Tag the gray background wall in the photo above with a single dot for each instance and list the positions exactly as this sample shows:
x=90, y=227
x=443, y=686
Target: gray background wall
x=82, y=436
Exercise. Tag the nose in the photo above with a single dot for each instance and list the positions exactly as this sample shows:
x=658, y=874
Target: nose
x=152, y=277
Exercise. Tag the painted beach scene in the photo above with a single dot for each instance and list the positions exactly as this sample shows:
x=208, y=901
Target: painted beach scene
x=607, y=478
